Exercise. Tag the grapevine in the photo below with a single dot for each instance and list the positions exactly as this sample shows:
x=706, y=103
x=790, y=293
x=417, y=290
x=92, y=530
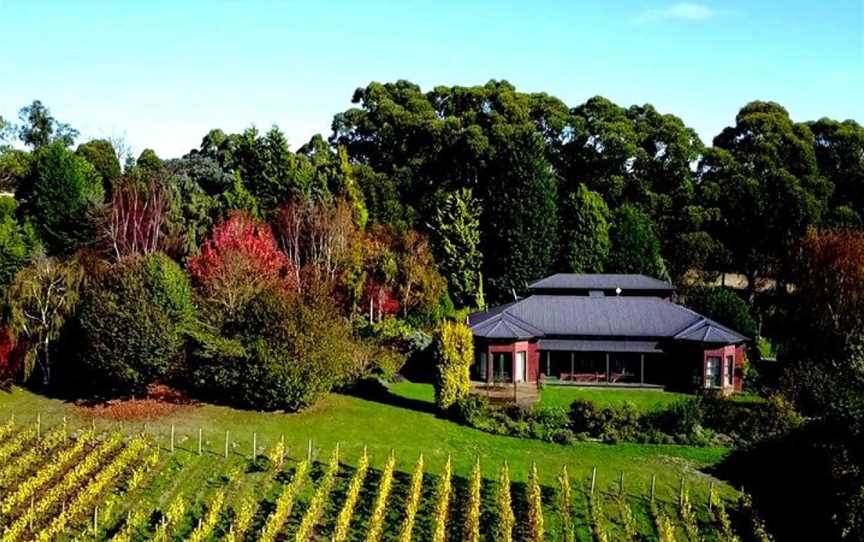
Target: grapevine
x=319, y=500
x=688, y=516
x=91, y=491
x=535, y=506
x=284, y=504
x=665, y=530
x=564, y=507
x=413, y=502
x=343, y=521
x=176, y=511
x=506, y=519
x=31, y=457
x=33, y=484
x=376, y=523
x=208, y=524
x=726, y=534
x=442, y=507
x=472, y=516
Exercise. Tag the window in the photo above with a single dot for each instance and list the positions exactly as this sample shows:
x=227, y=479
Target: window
x=713, y=372
x=730, y=370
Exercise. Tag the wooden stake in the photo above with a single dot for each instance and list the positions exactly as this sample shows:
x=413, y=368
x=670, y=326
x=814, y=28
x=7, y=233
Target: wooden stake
x=95, y=520
x=226, y=444
x=711, y=496
x=653, y=486
x=681, y=492
x=254, y=445
x=282, y=451
x=200, y=435
x=309, y=452
x=593, y=479
x=65, y=429
x=39, y=425
x=337, y=452
x=172, y=438
x=621, y=484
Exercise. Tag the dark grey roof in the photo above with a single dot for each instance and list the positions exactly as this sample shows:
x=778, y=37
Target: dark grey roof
x=601, y=317
x=505, y=326
x=599, y=281
x=580, y=345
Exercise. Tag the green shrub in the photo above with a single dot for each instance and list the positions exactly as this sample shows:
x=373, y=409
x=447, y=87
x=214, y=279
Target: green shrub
x=454, y=353
x=610, y=424
x=133, y=322
x=275, y=353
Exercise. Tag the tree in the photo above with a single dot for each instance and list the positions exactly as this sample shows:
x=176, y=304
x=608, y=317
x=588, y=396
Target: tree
x=240, y=260
x=723, y=305
x=269, y=354
x=38, y=128
x=102, y=156
x=41, y=297
x=455, y=231
x=137, y=216
x=520, y=216
x=584, y=231
x=764, y=178
x=18, y=241
x=148, y=160
x=840, y=157
x=634, y=246
x=14, y=169
x=63, y=195
x=132, y=323
x=454, y=354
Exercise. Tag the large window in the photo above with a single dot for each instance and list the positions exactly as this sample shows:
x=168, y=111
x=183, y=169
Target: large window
x=713, y=372
x=730, y=370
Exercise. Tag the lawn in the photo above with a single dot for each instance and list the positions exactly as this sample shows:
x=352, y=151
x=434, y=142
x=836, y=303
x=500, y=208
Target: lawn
x=402, y=422
x=645, y=400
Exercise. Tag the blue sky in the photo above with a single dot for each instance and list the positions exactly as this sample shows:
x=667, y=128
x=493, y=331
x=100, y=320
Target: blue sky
x=164, y=73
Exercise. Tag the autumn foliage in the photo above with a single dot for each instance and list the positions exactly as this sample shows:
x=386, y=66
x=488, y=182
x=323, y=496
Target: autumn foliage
x=239, y=260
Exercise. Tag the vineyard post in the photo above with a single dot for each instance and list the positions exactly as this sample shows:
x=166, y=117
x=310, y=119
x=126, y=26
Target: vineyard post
x=32, y=504
x=337, y=452
x=621, y=484
x=309, y=452
x=681, y=492
x=172, y=438
x=593, y=479
x=95, y=521
x=65, y=429
x=226, y=444
x=254, y=445
x=711, y=496
x=653, y=485
x=38, y=425
x=281, y=451
x=200, y=434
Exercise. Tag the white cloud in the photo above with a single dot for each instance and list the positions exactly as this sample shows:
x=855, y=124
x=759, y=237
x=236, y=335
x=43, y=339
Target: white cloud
x=682, y=11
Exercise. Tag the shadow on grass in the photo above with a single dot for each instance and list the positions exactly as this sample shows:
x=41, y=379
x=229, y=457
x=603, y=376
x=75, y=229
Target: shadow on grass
x=373, y=390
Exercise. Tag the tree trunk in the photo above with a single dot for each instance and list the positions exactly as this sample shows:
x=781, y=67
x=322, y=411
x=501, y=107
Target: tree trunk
x=46, y=365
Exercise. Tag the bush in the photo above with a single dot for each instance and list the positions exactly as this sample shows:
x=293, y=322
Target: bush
x=610, y=424
x=275, y=353
x=454, y=353
x=133, y=322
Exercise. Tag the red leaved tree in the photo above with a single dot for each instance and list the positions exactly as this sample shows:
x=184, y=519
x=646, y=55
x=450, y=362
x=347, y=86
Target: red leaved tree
x=239, y=260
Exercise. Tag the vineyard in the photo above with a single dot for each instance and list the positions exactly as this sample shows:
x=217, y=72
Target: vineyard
x=63, y=483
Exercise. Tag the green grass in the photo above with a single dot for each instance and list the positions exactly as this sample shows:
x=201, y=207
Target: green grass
x=645, y=400
x=402, y=422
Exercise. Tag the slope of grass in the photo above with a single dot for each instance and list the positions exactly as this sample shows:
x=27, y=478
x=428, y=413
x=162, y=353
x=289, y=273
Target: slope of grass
x=402, y=422
x=645, y=400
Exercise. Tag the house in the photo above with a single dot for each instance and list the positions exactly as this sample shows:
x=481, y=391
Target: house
x=606, y=330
